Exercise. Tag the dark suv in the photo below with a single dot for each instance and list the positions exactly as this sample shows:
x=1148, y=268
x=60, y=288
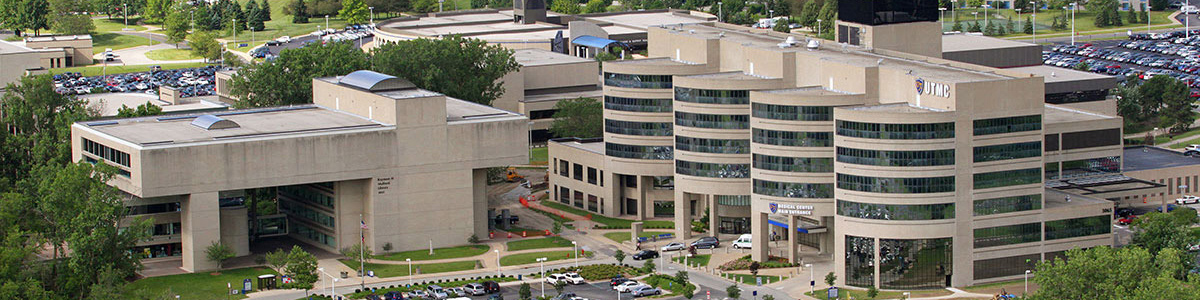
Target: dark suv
x=707, y=242
x=491, y=287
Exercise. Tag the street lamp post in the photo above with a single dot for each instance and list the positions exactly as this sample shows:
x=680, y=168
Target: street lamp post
x=125, y=12
x=1147, y=11
x=954, y=10
x=1074, y=7
x=818, y=28
x=1034, y=25
x=1018, y=16
x=720, y=11
x=942, y=17
x=233, y=22
x=573, y=246
x=410, y=277
x=332, y=284
x=542, y=263
x=1026, y=283
x=771, y=13
x=372, y=8
x=497, y=263
x=985, y=15
x=326, y=21
x=811, y=284
x=440, y=5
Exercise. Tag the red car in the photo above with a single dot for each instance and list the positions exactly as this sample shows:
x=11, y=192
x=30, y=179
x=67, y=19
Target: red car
x=1126, y=220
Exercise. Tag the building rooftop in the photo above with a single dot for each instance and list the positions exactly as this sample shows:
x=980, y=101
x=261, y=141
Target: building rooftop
x=1055, y=74
x=9, y=47
x=52, y=38
x=473, y=29
x=594, y=145
x=462, y=110
x=1056, y=198
x=251, y=123
x=646, y=19
x=596, y=93
x=1142, y=158
x=109, y=104
x=538, y=57
x=896, y=108
x=967, y=42
x=1055, y=114
x=807, y=91
x=736, y=75
x=1100, y=184
x=658, y=61
x=481, y=16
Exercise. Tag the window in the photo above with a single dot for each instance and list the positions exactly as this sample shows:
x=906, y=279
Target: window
x=896, y=131
x=915, y=264
x=1069, y=228
x=1051, y=142
x=1005, y=266
x=791, y=112
x=154, y=208
x=733, y=200
x=733, y=225
x=564, y=195
x=109, y=154
x=564, y=168
x=1089, y=167
x=793, y=190
x=917, y=185
x=637, y=81
x=637, y=104
x=307, y=194
x=1008, y=125
x=1007, y=178
x=714, y=170
x=578, y=172
x=692, y=144
x=167, y=229
x=664, y=182
x=712, y=96
x=1008, y=235
x=315, y=235
x=593, y=203
x=793, y=164
x=712, y=121
x=663, y=209
x=294, y=209
x=920, y=158
x=637, y=128
x=542, y=114
x=578, y=197
x=792, y=138
x=591, y=175
x=631, y=181
x=860, y=261
x=1008, y=204
x=895, y=212
x=1008, y=151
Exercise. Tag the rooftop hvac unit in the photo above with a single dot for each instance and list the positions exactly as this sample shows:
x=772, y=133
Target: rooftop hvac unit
x=813, y=44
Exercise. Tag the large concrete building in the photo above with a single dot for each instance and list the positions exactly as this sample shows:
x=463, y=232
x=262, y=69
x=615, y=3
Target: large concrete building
x=910, y=170
x=372, y=148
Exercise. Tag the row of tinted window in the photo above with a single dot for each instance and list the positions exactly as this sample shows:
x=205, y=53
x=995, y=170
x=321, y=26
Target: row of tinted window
x=896, y=131
x=915, y=264
x=1069, y=228
x=712, y=96
x=683, y=143
x=1084, y=167
x=105, y=152
x=1008, y=204
x=793, y=190
x=713, y=170
x=792, y=138
x=712, y=121
x=1008, y=151
x=637, y=81
x=1007, y=178
x=638, y=151
x=1005, y=266
x=914, y=185
x=920, y=158
x=1008, y=125
x=637, y=104
x=1008, y=235
x=638, y=128
x=792, y=112
x=304, y=212
x=793, y=164
x=733, y=200
x=895, y=212
x=307, y=194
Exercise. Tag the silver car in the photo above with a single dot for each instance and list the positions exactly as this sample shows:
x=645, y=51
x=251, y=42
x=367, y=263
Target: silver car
x=676, y=246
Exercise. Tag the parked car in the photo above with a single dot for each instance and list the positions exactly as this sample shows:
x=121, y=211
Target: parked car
x=1187, y=199
x=743, y=242
x=393, y=295
x=1126, y=220
x=645, y=290
x=625, y=286
x=496, y=297
x=437, y=292
x=555, y=278
x=475, y=289
x=645, y=254
x=675, y=246
x=418, y=294
x=1170, y=208
x=707, y=242
x=456, y=292
x=574, y=278
x=491, y=287
x=615, y=281
x=564, y=296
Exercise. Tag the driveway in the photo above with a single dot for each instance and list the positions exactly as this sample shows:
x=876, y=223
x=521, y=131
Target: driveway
x=137, y=56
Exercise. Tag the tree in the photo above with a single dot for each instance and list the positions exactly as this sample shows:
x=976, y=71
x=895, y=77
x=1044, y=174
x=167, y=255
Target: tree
x=872, y=292
x=556, y=228
x=143, y=110
x=681, y=277
x=287, y=80
x=176, y=26
x=264, y=6
x=218, y=253
x=975, y=27
x=1009, y=27
x=1131, y=16
x=733, y=291
x=254, y=19
x=782, y=27
x=463, y=68
x=302, y=266
x=524, y=291
x=619, y=256
x=1144, y=17
x=957, y=26
x=204, y=44
x=1157, y=231
x=353, y=253
x=1129, y=102
x=298, y=10
x=809, y=14
x=754, y=268
x=38, y=122
x=580, y=117
x=1163, y=94
x=354, y=11
x=569, y=7
x=559, y=286
x=829, y=15
x=1159, y=5
x=1028, y=26
x=830, y=279
x=648, y=266
x=1082, y=66
x=156, y=10
x=1106, y=273
x=71, y=17
x=595, y=6
x=34, y=15
x=277, y=259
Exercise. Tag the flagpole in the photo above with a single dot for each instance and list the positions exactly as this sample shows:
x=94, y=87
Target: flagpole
x=362, y=248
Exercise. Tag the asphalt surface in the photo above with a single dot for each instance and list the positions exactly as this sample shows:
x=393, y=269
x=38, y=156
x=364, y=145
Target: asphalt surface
x=300, y=41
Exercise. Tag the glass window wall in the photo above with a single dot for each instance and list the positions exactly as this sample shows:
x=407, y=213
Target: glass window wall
x=1008, y=235
x=895, y=212
x=683, y=143
x=1069, y=228
x=917, y=185
x=791, y=112
x=637, y=104
x=637, y=81
x=915, y=264
x=793, y=164
x=638, y=128
x=860, y=261
x=896, y=131
x=1007, y=178
x=792, y=138
x=703, y=169
x=896, y=158
x=712, y=121
x=1005, y=266
x=793, y=190
x=1008, y=125
x=1008, y=204
x=712, y=96
x=638, y=152
x=1008, y=151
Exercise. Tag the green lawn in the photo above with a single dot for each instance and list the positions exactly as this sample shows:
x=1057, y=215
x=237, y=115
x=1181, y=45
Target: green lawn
x=1084, y=21
x=529, y=258
x=624, y=235
x=117, y=41
x=96, y=70
x=198, y=285
x=281, y=24
x=438, y=253
x=117, y=24
x=538, y=156
x=389, y=270
x=538, y=243
x=698, y=259
x=170, y=54
x=749, y=279
x=614, y=223
x=862, y=294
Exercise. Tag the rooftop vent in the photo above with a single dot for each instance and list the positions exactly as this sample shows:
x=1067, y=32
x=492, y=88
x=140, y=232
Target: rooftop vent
x=211, y=122
x=374, y=81
x=813, y=44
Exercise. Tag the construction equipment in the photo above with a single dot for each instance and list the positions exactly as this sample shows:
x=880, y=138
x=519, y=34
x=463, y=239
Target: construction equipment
x=512, y=175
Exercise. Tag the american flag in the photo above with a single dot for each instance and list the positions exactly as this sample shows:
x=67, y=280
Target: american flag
x=361, y=234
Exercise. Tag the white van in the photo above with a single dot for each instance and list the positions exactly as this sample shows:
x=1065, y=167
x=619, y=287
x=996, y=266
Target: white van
x=743, y=242
x=1189, y=9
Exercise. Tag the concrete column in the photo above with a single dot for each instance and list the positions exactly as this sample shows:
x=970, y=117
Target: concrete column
x=200, y=216
x=827, y=238
x=793, y=240
x=713, y=222
x=760, y=237
x=635, y=230
x=235, y=230
x=683, y=217
x=479, y=202
x=641, y=197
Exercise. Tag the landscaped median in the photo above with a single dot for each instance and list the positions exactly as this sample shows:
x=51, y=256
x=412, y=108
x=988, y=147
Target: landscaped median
x=609, y=223
x=439, y=253
x=529, y=258
x=202, y=285
x=623, y=236
x=862, y=293
x=699, y=260
x=395, y=270
x=538, y=243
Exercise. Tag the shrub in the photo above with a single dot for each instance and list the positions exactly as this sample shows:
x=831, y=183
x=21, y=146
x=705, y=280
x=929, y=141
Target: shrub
x=599, y=272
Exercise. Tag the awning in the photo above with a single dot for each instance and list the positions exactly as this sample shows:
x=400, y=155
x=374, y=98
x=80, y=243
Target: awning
x=819, y=229
x=592, y=41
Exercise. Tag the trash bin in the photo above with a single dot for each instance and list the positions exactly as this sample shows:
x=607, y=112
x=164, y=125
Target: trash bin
x=345, y=274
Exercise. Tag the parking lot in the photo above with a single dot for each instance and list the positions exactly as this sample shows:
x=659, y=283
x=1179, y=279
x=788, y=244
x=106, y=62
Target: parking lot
x=1175, y=54
x=190, y=81
x=359, y=34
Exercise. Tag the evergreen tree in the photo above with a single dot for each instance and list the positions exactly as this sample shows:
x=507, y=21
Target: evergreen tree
x=1145, y=17
x=1009, y=27
x=957, y=26
x=299, y=12
x=989, y=29
x=254, y=16
x=265, y=8
x=1028, y=26
x=1131, y=16
x=809, y=14
x=975, y=27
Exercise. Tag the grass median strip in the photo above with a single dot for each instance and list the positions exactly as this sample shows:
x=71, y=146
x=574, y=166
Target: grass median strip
x=529, y=258
x=624, y=236
x=202, y=285
x=390, y=270
x=439, y=253
x=613, y=223
x=698, y=259
x=538, y=243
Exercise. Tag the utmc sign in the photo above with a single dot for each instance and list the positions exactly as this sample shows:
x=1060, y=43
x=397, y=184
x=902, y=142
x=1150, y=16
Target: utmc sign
x=931, y=88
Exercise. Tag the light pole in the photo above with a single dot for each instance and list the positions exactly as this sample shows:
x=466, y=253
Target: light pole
x=573, y=246
x=228, y=289
x=811, y=284
x=1034, y=25
x=771, y=13
x=440, y=5
x=409, y=260
x=372, y=8
x=234, y=29
x=1074, y=7
x=976, y=15
x=332, y=284
x=1018, y=16
x=1187, y=24
x=193, y=20
x=720, y=11
x=985, y=15
x=1147, y=17
x=125, y=11
x=1026, y=283
x=326, y=21
x=542, y=263
x=942, y=17
x=818, y=28
x=497, y=262
x=954, y=10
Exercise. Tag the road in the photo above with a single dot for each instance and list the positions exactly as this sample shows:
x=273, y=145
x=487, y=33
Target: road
x=300, y=41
